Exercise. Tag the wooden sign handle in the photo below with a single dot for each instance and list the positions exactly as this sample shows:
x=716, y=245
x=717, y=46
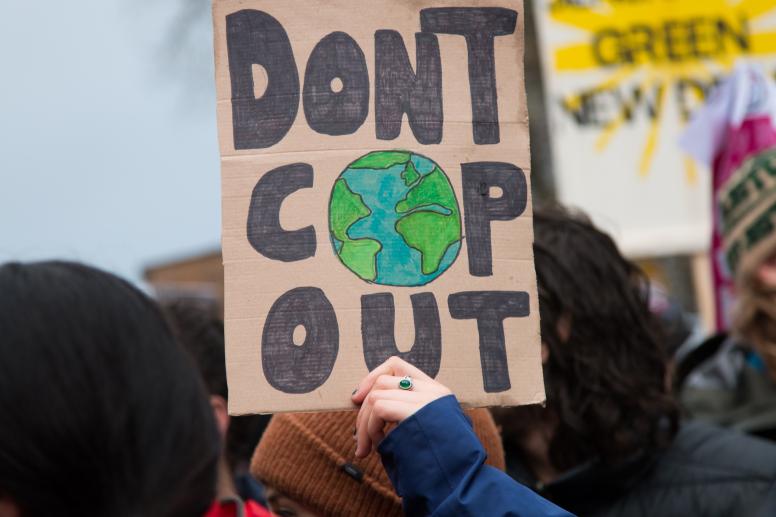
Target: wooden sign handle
x=704, y=290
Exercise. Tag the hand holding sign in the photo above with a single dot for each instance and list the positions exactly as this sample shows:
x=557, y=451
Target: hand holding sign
x=383, y=401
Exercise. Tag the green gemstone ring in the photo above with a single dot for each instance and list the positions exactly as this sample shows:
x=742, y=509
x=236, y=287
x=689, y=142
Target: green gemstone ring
x=405, y=383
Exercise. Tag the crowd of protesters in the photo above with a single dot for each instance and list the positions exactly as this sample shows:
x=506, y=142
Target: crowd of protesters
x=113, y=405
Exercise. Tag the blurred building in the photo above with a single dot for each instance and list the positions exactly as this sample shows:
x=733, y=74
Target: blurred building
x=198, y=278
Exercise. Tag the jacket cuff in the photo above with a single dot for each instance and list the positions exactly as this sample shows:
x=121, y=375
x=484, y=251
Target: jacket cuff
x=430, y=453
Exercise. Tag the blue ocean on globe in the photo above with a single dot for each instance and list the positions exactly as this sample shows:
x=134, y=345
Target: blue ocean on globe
x=381, y=190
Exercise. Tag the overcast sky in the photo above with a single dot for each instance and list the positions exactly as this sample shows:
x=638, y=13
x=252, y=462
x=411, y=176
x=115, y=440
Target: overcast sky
x=108, y=146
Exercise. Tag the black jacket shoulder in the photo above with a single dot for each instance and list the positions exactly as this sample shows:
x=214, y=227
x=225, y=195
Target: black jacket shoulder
x=707, y=471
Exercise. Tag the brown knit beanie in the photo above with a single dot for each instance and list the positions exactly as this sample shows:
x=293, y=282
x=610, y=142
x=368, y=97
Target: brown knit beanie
x=310, y=458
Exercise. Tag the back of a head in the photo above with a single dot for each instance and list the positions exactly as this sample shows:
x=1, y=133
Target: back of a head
x=310, y=458
x=606, y=370
x=102, y=412
x=199, y=329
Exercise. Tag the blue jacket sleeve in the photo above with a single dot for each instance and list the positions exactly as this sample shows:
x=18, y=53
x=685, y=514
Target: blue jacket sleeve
x=437, y=465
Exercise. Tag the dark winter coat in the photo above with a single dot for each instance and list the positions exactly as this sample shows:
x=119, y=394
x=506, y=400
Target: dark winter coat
x=707, y=471
x=724, y=382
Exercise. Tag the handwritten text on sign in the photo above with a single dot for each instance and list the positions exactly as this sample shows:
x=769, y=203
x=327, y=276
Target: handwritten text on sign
x=622, y=79
x=343, y=231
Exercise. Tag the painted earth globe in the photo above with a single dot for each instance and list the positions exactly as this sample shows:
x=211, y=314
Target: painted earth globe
x=394, y=219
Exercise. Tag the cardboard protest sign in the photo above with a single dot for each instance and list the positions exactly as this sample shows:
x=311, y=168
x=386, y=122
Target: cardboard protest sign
x=376, y=199
x=622, y=79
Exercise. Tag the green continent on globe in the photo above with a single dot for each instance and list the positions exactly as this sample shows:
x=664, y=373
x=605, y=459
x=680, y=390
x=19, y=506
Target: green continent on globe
x=410, y=175
x=359, y=254
x=381, y=160
x=432, y=223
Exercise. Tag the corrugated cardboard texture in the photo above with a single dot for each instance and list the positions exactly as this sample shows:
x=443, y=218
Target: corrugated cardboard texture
x=254, y=282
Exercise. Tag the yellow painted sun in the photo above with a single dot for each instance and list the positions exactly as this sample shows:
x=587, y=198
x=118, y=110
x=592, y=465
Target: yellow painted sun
x=656, y=43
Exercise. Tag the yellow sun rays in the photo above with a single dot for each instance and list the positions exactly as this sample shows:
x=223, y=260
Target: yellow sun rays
x=662, y=41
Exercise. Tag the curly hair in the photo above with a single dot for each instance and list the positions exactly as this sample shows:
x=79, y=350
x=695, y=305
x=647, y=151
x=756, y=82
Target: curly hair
x=605, y=375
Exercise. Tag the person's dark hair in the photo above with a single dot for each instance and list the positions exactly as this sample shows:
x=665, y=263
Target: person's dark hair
x=199, y=328
x=605, y=377
x=101, y=411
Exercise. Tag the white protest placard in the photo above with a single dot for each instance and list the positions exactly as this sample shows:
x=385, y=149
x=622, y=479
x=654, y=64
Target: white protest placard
x=622, y=79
